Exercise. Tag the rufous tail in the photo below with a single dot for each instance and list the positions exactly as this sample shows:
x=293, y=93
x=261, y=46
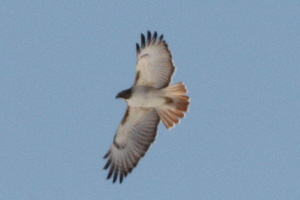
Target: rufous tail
x=176, y=104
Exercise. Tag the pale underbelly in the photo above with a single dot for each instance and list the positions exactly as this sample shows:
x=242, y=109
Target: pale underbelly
x=146, y=100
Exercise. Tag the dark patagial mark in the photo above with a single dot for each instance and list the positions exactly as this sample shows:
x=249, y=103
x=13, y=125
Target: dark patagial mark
x=137, y=77
x=125, y=116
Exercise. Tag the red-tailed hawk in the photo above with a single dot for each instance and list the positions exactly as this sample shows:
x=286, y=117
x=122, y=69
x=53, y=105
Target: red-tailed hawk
x=150, y=100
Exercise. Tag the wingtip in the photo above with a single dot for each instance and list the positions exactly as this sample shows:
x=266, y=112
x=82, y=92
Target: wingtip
x=111, y=170
x=107, y=164
x=138, y=49
x=148, y=37
x=121, y=177
x=106, y=155
x=116, y=172
x=154, y=37
x=142, y=40
x=161, y=38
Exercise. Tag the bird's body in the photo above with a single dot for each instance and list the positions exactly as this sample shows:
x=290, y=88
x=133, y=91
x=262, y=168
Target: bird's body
x=146, y=97
x=150, y=100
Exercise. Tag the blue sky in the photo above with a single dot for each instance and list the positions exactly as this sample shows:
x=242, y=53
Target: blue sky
x=63, y=62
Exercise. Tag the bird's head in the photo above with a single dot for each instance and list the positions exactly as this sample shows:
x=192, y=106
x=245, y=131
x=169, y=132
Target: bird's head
x=125, y=94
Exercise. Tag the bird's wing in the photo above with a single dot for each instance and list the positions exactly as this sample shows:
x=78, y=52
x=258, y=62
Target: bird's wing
x=155, y=66
x=132, y=140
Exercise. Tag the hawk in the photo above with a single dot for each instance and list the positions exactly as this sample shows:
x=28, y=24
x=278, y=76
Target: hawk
x=150, y=100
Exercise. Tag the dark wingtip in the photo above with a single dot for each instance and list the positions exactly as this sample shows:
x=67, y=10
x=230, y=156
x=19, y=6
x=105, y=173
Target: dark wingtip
x=130, y=170
x=111, y=170
x=137, y=48
x=107, y=164
x=115, y=174
x=148, y=37
x=154, y=37
x=106, y=155
x=121, y=177
x=161, y=38
x=142, y=41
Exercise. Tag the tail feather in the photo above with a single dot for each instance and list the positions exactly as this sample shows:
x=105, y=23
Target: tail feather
x=165, y=119
x=172, y=116
x=184, y=98
x=176, y=104
x=178, y=113
x=181, y=105
x=177, y=89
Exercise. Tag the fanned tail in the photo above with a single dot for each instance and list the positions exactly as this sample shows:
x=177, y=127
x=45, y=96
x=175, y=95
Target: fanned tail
x=176, y=104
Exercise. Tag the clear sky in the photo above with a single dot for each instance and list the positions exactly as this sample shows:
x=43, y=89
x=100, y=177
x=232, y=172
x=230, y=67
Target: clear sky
x=63, y=62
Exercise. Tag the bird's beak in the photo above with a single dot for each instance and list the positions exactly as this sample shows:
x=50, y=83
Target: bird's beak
x=118, y=96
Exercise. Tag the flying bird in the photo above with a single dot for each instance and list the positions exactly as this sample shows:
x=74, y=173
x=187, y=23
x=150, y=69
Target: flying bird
x=150, y=100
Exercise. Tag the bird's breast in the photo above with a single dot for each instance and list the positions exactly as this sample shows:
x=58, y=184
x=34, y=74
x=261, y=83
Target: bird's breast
x=147, y=97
